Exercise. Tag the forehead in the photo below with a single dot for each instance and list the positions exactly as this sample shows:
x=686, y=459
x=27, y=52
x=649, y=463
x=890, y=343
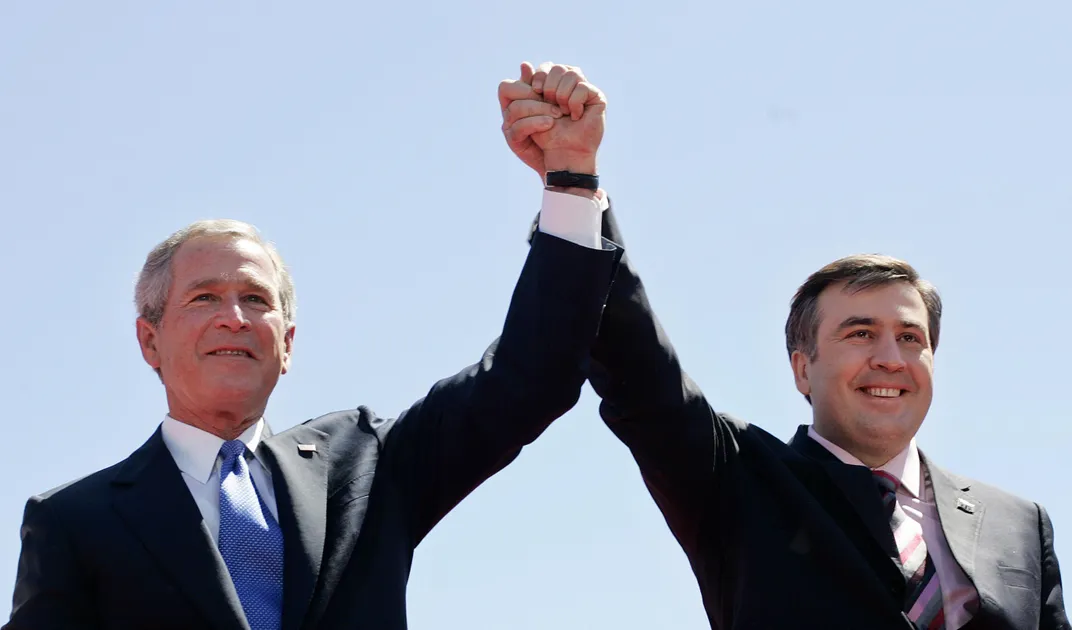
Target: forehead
x=223, y=259
x=894, y=302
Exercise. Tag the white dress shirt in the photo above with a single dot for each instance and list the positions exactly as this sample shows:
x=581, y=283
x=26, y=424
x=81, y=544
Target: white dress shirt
x=197, y=454
x=959, y=597
x=574, y=218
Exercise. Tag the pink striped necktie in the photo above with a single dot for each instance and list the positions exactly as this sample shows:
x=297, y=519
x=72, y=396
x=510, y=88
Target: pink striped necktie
x=924, y=594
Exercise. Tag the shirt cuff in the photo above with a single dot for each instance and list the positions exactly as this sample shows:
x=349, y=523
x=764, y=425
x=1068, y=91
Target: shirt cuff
x=578, y=220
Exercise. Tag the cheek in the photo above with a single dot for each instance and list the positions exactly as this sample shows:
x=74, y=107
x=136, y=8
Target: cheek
x=924, y=377
x=824, y=377
x=922, y=369
x=845, y=369
x=179, y=346
x=272, y=337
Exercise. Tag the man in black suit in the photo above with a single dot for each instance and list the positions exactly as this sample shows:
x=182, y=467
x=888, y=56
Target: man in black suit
x=849, y=526
x=216, y=523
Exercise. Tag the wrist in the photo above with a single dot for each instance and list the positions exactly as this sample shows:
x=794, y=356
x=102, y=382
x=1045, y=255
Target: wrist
x=575, y=162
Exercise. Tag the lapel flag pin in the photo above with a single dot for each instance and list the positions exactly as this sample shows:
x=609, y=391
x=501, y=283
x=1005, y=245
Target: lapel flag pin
x=965, y=506
x=307, y=448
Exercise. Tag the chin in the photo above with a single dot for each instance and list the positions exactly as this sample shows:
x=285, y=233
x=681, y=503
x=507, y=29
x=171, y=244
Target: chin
x=886, y=430
x=237, y=393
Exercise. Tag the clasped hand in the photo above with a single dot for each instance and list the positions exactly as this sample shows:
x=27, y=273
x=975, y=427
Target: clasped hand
x=553, y=118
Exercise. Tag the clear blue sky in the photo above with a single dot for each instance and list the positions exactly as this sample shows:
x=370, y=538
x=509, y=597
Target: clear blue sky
x=747, y=144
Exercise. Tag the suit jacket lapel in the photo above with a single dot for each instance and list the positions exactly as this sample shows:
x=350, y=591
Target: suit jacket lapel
x=857, y=485
x=152, y=498
x=960, y=514
x=299, y=458
x=838, y=535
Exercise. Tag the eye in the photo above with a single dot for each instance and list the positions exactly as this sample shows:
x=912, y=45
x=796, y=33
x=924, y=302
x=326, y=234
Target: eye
x=860, y=334
x=256, y=298
x=204, y=297
x=912, y=337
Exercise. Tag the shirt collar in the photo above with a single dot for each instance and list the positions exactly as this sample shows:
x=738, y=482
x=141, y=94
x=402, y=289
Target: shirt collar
x=904, y=466
x=195, y=451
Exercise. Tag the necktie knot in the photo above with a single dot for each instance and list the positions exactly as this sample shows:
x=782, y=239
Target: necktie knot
x=887, y=483
x=232, y=450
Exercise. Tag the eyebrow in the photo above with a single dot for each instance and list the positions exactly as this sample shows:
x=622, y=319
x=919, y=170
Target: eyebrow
x=208, y=283
x=856, y=320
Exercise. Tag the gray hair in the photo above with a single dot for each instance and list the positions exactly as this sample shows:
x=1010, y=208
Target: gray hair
x=154, y=280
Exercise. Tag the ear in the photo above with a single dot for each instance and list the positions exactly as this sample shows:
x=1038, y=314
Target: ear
x=288, y=347
x=801, y=363
x=147, y=338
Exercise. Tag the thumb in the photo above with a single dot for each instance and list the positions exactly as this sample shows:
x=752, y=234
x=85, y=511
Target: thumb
x=526, y=72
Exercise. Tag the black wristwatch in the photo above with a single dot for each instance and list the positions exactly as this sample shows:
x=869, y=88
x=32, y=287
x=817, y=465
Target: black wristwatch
x=566, y=179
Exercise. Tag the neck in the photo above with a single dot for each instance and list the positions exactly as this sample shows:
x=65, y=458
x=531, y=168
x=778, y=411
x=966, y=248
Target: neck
x=872, y=456
x=226, y=424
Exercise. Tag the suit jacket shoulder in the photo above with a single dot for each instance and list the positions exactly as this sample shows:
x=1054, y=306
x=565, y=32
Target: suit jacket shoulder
x=989, y=492
x=355, y=439
x=86, y=497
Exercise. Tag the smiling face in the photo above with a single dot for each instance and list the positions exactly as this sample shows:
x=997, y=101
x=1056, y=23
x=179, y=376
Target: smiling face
x=870, y=377
x=223, y=340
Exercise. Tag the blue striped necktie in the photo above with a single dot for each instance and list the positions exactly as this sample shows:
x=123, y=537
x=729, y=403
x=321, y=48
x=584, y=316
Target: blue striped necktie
x=250, y=542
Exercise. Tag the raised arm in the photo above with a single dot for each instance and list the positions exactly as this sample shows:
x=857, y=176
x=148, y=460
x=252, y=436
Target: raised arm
x=473, y=424
x=681, y=445
x=648, y=400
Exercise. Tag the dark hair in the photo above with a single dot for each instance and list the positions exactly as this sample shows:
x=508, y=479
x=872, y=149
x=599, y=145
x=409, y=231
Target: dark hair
x=859, y=272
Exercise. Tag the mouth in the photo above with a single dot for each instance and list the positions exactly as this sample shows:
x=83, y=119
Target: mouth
x=231, y=352
x=882, y=392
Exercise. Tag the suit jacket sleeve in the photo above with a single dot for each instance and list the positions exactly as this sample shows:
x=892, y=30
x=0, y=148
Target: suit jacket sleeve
x=653, y=407
x=471, y=425
x=1053, y=615
x=51, y=590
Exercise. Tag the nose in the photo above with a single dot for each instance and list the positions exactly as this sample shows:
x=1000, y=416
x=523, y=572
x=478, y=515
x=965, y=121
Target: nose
x=887, y=355
x=232, y=317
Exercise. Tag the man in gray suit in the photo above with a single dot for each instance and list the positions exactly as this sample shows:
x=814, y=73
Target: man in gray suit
x=849, y=526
